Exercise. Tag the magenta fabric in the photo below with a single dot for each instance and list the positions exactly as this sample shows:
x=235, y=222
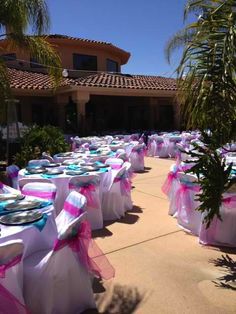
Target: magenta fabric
x=41, y=194
x=88, y=191
x=13, y=174
x=5, y=267
x=72, y=209
x=115, y=166
x=88, y=252
x=229, y=202
x=10, y=304
x=168, y=182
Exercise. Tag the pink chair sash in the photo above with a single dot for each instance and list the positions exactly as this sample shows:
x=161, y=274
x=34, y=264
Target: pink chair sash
x=50, y=195
x=72, y=209
x=115, y=166
x=125, y=185
x=88, y=252
x=88, y=191
x=229, y=202
x=10, y=304
x=168, y=182
x=11, y=263
x=183, y=196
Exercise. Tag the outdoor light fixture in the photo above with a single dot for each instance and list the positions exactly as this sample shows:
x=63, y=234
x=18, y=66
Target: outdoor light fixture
x=65, y=73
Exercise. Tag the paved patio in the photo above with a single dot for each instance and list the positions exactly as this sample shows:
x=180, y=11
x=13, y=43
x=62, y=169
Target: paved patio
x=160, y=268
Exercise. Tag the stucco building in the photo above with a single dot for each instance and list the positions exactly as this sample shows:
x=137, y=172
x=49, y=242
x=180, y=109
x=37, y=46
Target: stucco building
x=95, y=96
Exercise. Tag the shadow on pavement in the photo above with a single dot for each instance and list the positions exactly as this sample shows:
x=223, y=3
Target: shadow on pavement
x=228, y=267
x=101, y=233
x=117, y=299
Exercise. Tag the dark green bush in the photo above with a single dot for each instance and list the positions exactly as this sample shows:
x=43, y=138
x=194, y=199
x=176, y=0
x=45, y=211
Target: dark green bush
x=39, y=139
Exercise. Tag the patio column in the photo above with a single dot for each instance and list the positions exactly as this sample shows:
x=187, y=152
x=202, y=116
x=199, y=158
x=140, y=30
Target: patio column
x=81, y=99
x=60, y=103
x=177, y=120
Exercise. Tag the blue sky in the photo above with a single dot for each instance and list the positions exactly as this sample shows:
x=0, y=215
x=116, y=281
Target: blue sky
x=141, y=27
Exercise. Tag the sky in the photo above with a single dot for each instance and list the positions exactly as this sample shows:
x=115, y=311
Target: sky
x=141, y=27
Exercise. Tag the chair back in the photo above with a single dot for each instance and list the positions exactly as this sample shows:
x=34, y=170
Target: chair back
x=115, y=163
x=74, y=206
x=22, y=182
x=38, y=162
x=71, y=228
x=12, y=173
x=40, y=189
x=11, y=268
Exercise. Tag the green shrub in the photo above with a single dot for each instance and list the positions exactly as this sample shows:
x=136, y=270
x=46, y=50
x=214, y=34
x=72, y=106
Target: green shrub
x=39, y=139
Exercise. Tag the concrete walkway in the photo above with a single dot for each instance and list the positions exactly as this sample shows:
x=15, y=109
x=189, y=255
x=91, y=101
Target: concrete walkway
x=160, y=268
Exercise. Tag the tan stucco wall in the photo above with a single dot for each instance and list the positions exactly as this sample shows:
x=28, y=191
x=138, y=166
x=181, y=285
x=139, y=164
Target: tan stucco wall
x=66, y=49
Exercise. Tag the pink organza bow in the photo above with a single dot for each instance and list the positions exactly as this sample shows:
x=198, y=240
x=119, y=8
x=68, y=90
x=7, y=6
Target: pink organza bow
x=168, y=182
x=5, y=267
x=10, y=304
x=229, y=202
x=88, y=252
x=88, y=191
x=42, y=194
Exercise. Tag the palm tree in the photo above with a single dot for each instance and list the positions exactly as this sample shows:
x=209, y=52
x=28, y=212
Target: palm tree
x=16, y=16
x=207, y=90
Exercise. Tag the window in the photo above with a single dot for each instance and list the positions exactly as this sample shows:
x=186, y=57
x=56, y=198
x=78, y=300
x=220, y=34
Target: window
x=112, y=66
x=84, y=62
x=9, y=57
x=35, y=64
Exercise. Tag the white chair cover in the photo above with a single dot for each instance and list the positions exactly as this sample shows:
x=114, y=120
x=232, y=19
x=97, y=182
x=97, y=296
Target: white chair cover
x=38, y=162
x=137, y=157
x=11, y=268
x=113, y=201
x=221, y=232
x=12, y=173
x=74, y=206
x=24, y=181
x=89, y=187
x=128, y=200
x=58, y=282
x=115, y=163
x=40, y=189
x=187, y=215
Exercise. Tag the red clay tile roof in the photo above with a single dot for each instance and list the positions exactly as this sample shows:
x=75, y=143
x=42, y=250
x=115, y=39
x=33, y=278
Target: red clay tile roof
x=39, y=81
x=31, y=80
x=59, y=36
x=127, y=81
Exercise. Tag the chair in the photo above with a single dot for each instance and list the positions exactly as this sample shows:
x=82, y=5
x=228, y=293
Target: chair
x=170, y=188
x=12, y=173
x=74, y=206
x=38, y=162
x=137, y=157
x=89, y=187
x=187, y=216
x=11, y=278
x=113, y=200
x=40, y=189
x=152, y=146
x=60, y=281
x=22, y=182
x=47, y=156
x=128, y=200
x=221, y=232
x=114, y=163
